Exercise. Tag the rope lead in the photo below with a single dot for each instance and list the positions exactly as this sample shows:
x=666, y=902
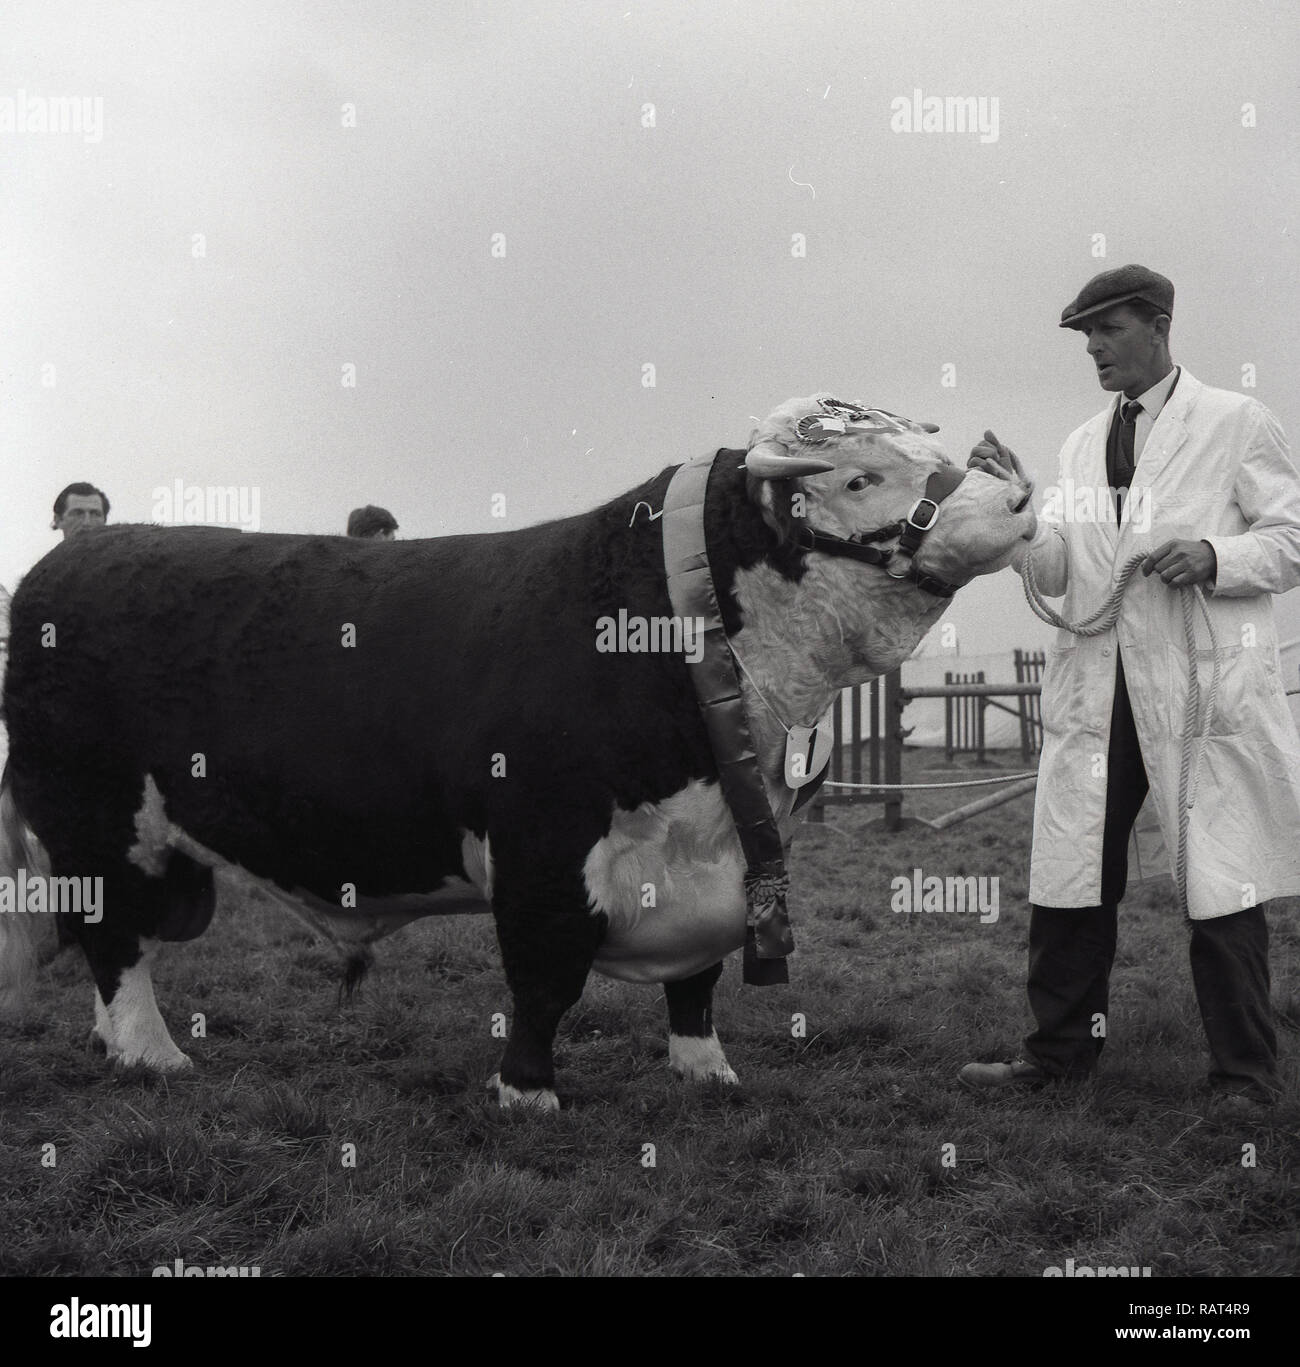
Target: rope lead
x=1102, y=620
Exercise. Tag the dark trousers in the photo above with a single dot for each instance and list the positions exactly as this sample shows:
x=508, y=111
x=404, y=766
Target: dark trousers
x=1071, y=951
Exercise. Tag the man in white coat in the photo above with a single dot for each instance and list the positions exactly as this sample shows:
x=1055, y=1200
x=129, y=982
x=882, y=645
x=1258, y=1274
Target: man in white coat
x=1202, y=479
x=4, y=656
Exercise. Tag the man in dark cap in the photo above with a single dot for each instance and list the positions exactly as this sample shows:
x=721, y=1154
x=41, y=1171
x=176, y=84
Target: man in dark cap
x=378, y=524
x=1202, y=481
x=78, y=508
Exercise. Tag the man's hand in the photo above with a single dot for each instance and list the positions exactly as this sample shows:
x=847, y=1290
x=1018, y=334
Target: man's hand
x=1183, y=563
x=998, y=460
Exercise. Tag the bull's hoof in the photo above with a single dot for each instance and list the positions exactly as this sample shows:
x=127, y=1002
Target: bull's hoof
x=699, y=1058
x=96, y=1043
x=512, y=1098
x=164, y=1065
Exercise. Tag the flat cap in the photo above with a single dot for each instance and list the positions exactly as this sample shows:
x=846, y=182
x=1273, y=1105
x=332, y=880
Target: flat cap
x=370, y=521
x=1118, y=287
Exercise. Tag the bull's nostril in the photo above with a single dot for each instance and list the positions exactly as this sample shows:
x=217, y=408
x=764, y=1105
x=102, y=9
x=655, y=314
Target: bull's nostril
x=1020, y=507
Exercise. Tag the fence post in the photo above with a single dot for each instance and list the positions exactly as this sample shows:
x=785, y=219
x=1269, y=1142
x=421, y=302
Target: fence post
x=947, y=719
x=873, y=701
x=855, y=710
x=894, y=704
x=1022, y=709
x=981, y=706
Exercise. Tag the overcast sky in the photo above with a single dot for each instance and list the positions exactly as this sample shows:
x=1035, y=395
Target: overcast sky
x=182, y=292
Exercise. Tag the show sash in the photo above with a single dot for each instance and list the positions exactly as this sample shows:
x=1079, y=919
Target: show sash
x=718, y=690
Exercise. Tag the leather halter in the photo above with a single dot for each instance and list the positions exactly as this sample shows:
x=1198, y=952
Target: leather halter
x=920, y=519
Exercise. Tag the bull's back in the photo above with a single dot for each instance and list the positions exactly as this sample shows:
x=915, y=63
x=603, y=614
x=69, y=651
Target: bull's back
x=325, y=693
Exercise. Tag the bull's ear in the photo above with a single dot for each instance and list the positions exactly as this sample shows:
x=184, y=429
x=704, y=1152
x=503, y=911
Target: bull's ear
x=768, y=461
x=928, y=426
x=776, y=511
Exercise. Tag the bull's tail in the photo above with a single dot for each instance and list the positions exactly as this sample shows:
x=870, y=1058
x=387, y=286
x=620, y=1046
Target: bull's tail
x=26, y=940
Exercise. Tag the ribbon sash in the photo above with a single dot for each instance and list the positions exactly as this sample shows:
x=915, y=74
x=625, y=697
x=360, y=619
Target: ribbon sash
x=717, y=688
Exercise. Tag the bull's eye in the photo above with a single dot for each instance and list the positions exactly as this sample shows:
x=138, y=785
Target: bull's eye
x=858, y=483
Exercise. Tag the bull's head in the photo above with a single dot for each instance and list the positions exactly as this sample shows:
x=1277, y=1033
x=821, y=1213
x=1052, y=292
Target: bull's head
x=860, y=473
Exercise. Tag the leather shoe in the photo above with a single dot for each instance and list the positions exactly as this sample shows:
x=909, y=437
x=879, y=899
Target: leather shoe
x=987, y=1077
x=1225, y=1104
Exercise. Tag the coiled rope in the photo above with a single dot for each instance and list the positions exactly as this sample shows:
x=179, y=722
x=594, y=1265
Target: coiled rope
x=1102, y=620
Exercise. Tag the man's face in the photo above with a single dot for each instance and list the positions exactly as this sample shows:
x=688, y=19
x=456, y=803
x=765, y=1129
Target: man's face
x=1129, y=354
x=82, y=511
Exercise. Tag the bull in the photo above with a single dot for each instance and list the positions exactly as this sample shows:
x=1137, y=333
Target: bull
x=374, y=733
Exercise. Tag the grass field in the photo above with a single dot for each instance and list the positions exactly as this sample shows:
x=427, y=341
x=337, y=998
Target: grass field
x=847, y=1150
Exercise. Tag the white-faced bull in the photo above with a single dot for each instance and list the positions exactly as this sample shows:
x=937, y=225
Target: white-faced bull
x=435, y=724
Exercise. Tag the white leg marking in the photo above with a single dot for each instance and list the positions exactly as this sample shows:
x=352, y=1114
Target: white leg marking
x=138, y=1032
x=508, y=1097
x=102, y=1030
x=699, y=1058
x=476, y=856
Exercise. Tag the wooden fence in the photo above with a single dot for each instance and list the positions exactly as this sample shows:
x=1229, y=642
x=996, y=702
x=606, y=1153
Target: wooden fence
x=963, y=717
x=1029, y=669
x=867, y=754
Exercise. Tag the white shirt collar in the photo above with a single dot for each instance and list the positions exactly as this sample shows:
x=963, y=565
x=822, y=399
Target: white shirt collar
x=1156, y=397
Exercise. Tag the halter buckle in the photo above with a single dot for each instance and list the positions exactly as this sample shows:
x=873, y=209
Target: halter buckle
x=930, y=519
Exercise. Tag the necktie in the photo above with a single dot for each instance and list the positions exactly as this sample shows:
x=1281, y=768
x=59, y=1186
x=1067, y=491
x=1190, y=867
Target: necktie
x=1127, y=432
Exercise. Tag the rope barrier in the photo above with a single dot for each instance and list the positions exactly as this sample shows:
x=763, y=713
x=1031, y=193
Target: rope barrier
x=895, y=787
x=1102, y=620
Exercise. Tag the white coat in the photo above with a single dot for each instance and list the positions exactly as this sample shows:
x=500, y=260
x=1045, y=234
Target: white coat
x=1216, y=467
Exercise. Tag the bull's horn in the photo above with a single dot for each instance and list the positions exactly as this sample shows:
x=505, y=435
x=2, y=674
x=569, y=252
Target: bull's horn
x=768, y=461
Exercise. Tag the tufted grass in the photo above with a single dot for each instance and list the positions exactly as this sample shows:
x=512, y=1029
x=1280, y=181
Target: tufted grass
x=830, y=1159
